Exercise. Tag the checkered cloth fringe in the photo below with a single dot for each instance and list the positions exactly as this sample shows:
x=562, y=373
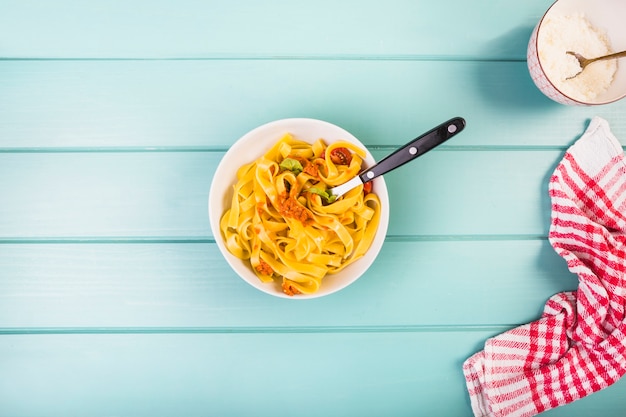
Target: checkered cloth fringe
x=578, y=346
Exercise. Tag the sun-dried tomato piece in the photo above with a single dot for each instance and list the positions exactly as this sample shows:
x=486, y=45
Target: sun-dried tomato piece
x=264, y=268
x=341, y=156
x=289, y=289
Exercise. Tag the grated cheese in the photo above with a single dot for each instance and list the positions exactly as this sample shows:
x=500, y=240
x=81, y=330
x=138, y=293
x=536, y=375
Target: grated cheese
x=575, y=33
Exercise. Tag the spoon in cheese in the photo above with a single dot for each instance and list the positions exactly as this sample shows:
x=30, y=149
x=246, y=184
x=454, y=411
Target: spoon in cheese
x=586, y=61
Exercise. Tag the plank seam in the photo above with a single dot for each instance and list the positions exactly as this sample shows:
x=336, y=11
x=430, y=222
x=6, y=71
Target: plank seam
x=223, y=149
x=8, y=331
x=285, y=57
x=53, y=240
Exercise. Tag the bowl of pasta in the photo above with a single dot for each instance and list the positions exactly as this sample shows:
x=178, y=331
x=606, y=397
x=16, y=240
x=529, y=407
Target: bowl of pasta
x=274, y=219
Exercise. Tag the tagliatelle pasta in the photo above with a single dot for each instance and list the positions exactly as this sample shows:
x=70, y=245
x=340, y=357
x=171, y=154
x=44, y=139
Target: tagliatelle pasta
x=283, y=220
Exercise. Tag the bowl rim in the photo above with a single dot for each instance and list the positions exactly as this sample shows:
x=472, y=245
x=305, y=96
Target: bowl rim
x=218, y=192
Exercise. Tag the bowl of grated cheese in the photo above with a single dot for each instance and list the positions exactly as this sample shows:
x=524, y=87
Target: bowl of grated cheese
x=590, y=28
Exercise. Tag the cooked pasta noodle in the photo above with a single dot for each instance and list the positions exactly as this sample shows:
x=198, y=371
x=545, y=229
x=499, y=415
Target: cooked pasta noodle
x=285, y=224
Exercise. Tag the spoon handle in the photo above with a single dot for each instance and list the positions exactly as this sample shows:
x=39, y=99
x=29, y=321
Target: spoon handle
x=610, y=56
x=417, y=147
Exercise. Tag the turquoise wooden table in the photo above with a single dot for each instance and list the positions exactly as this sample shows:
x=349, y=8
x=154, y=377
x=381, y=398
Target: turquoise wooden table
x=114, y=298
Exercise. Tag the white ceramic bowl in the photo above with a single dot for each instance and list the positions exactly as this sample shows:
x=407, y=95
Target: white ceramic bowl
x=252, y=146
x=604, y=15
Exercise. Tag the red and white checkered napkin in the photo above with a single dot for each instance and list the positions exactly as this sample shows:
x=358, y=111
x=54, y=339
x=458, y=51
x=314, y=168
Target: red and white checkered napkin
x=578, y=346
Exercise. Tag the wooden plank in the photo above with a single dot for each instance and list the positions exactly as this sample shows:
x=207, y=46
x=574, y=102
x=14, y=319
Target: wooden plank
x=106, y=194
x=272, y=375
x=431, y=283
x=165, y=194
x=197, y=29
x=210, y=104
x=365, y=374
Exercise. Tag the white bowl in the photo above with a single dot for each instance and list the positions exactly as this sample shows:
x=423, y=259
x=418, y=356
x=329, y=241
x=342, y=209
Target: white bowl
x=605, y=15
x=253, y=145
